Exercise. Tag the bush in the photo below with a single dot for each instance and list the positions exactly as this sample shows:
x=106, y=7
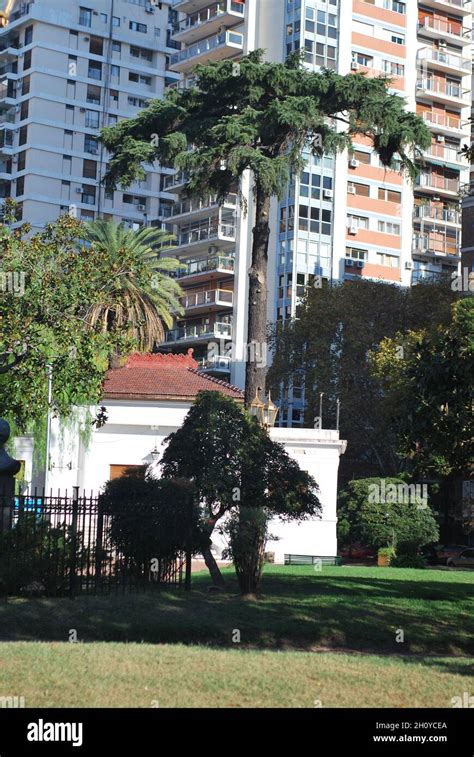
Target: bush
x=408, y=561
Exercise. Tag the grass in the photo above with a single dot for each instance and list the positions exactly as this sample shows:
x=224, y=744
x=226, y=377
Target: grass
x=328, y=636
x=358, y=609
x=143, y=675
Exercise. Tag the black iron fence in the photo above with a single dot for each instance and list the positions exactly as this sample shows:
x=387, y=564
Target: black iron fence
x=67, y=545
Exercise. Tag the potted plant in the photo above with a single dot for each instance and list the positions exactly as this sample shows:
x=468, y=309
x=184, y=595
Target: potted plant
x=384, y=556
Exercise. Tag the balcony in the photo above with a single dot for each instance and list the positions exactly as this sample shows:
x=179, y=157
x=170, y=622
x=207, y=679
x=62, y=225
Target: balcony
x=434, y=245
x=175, y=182
x=442, y=154
x=436, y=28
x=210, y=20
x=459, y=7
x=6, y=142
x=208, y=268
x=218, y=365
x=189, y=6
x=208, y=301
x=445, y=92
x=199, y=237
x=224, y=45
x=201, y=332
x=438, y=214
x=444, y=123
x=444, y=61
x=437, y=184
x=197, y=207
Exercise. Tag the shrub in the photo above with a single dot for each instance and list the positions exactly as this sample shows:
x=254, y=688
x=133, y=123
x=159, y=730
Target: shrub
x=408, y=561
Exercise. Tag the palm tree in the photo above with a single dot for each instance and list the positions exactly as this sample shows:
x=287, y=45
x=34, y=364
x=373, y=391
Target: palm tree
x=141, y=296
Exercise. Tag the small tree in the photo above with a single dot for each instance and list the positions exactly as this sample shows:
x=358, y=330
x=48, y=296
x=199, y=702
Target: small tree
x=232, y=463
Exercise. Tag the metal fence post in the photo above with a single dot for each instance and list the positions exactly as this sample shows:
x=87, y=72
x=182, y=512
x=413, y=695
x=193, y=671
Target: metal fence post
x=73, y=560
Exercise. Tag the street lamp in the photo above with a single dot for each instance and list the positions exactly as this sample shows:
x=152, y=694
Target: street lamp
x=265, y=412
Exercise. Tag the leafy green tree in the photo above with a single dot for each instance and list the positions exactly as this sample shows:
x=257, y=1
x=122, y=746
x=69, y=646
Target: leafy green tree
x=139, y=295
x=367, y=516
x=258, y=116
x=51, y=290
x=332, y=357
x=231, y=462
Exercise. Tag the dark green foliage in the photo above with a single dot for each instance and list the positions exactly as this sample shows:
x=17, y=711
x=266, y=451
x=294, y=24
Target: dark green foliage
x=408, y=561
x=363, y=517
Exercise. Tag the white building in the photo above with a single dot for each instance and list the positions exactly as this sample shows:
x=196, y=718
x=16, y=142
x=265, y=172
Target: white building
x=147, y=400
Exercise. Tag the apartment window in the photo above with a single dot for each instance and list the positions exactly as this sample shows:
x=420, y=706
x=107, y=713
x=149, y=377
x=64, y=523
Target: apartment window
x=115, y=72
x=20, y=186
x=139, y=78
x=104, y=18
x=93, y=94
x=21, y=165
x=391, y=261
x=354, y=253
x=390, y=67
x=23, y=138
x=134, y=199
x=67, y=165
x=360, y=222
x=92, y=119
x=112, y=119
x=387, y=227
x=91, y=144
x=89, y=169
x=96, y=46
x=88, y=194
x=95, y=70
x=27, y=60
x=389, y=195
x=397, y=39
x=115, y=21
x=311, y=184
x=116, y=47
x=157, y=32
x=134, y=26
x=140, y=52
x=315, y=220
x=25, y=107
x=85, y=16
x=361, y=157
x=363, y=60
x=363, y=190
x=394, y=5
x=114, y=96
x=137, y=102
x=28, y=35
x=25, y=87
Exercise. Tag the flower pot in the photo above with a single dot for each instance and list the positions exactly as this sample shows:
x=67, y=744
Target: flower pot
x=383, y=561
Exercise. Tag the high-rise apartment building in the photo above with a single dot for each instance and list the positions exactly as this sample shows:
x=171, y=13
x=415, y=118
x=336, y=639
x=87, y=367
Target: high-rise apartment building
x=342, y=218
x=68, y=69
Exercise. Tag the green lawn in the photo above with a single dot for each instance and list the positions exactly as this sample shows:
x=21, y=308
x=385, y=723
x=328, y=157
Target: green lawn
x=328, y=636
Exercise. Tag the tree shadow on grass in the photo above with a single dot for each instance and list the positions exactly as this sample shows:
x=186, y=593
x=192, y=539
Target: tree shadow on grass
x=295, y=612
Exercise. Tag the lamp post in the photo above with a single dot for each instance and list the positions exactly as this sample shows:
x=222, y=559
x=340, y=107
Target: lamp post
x=265, y=412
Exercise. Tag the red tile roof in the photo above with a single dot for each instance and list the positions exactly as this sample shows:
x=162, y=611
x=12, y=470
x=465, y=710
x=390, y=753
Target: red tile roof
x=163, y=376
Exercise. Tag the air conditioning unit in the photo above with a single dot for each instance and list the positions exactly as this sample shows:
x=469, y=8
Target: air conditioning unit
x=360, y=263
x=353, y=163
x=351, y=190
x=83, y=110
x=442, y=43
x=141, y=208
x=87, y=39
x=79, y=190
x=328, y=193
x=352, y=230
x=149, y=8
x=349, y=262
x=440, y=138
x=354, y=66
x=409, y=265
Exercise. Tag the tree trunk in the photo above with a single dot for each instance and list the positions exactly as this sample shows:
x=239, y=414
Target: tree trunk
x=212, y=566
x=257, y=313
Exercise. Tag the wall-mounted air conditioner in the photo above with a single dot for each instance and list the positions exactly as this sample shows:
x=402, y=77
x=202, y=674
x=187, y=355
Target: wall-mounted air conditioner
x=354, y=66
x=409, y=265
x=79, y=190
x=351, y=190
x=353, y=163
x=328, y=194
x=440, y=138
x=141, y=208
x=352, y=230
x=360, y=263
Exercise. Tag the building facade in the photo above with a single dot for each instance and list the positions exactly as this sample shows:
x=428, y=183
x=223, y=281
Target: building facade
x=69, y=69
x=343, y=218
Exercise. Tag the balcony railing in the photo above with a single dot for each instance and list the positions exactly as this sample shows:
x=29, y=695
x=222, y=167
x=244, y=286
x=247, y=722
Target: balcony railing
x=194, y=204
x=205, y=233
x=443, y=120
x=445, y=27
x=447, y=89
x=435, y=244
x=438, y=182
x=446, y=154
x=235, y=39
x=200, y=331
x=222, y=297
x=437, y=213
x=449, y=59
x=214, y=263
x=213, y=11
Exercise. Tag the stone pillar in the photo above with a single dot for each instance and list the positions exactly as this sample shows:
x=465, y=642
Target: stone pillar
x=8, y=469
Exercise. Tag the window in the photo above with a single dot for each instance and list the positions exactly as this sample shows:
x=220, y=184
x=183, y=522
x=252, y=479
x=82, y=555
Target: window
x=104, y=18
x=360, y=222
x=363, y=190
x=23, y=138
x=389, y=195
x=354, y=253
x=96, y=46
x=25, y=87
x=88, y=194
x=115, y=72
x=134, y=26
x=115, y=21
x=362, y=59
x=361, y=157
x=114, y=96
x=20, y=186
x=28, y=35
x=395, y=5
x=116, y=47
x=315, y=220
x=89, y=169
x=24, y=110
x=140, y=52
x=390, y=67
x=388, y=227
x=92, y=119
x=397, y=39
x=27, y=60
x=139, y=78
x=21, y=161
x=137, y=102
x=95, y=70
x=91, y=144
x=85, y=16
x=390, y=261
x=93, y=94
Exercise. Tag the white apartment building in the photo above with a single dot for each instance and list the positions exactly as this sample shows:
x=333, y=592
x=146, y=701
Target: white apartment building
x=346, y=217
x=68, y=69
